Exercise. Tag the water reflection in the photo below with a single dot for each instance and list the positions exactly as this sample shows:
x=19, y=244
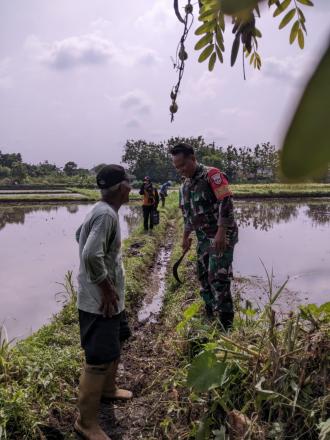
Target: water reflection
x=290, y=237
x=16, y=213
x=37, y=248
x=265, y=214
x=319, y=213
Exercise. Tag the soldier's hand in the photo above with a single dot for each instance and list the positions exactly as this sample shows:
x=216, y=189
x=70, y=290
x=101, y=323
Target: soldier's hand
x=220, y=242
x=186, y=243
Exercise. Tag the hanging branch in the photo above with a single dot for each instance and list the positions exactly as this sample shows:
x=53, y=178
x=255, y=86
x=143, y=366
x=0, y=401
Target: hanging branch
x=181, y=54
x=177, y=12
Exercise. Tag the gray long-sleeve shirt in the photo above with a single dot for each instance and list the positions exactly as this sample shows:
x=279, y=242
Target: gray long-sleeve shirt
x=99, y=241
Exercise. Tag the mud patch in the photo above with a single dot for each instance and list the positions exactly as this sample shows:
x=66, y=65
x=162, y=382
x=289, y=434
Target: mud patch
x=153, y=302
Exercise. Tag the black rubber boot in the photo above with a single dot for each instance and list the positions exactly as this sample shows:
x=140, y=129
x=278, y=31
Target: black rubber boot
x=209, y=311
x=226, y=320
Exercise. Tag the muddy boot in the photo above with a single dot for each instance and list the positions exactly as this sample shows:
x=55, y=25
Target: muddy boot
x=110, y=390
x=90, y=389
x=226, y=320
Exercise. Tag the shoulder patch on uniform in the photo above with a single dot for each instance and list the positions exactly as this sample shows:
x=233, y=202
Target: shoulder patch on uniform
x=216, y=178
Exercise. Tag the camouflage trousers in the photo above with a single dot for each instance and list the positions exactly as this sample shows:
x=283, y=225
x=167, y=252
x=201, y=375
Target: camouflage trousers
x=215, y=272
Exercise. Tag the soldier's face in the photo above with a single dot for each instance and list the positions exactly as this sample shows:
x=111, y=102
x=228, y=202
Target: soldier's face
x=185, y=165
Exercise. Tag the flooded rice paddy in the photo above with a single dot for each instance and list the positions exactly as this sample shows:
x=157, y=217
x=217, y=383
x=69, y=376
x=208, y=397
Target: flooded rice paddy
x=37, y=248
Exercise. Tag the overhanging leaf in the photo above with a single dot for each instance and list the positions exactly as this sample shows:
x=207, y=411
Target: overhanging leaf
x=219, y=54
x=206, y=372
x=306, y=2
x=306, y=148
x=301, y=40
x=204, y=41
x=287, y=18
x=234, y=50
x=294, y=31
x=206, y=53
x=281, y=8
x=206, y=27
x=212, y=61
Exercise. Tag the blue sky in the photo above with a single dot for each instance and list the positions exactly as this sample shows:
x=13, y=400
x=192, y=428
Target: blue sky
x=78, y=78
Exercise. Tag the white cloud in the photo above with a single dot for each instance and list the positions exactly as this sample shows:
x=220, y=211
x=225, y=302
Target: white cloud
x=290, y=69
x=88, y=50
x=207, y=86
x=137, y=102
x=101, y=25
x=158, y=18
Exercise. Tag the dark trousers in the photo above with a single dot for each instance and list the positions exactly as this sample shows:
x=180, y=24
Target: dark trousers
x=162, y=198
x=101, y=337
x=147, y=217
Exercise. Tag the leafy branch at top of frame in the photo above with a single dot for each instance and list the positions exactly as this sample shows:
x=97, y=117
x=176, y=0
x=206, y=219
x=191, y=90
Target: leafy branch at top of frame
x=244, y=14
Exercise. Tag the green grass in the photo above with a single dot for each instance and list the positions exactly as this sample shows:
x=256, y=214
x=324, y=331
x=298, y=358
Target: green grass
x=39, y=376
x=281, y=190
x=271, y=372
x=20, y=198
x=270, y=190
x=94, y=194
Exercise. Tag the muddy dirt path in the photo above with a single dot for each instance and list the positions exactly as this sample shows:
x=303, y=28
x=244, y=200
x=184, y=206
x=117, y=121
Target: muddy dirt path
x=144, y=362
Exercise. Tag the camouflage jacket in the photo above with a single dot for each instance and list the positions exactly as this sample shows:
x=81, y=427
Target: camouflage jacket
x=206, y=201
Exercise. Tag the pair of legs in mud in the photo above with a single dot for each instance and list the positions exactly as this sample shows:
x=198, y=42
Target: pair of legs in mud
x=101, y=339
x=214, y=272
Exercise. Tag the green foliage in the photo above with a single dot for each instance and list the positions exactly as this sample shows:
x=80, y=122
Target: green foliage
x=150, y=159
x=272, y=370
x=206, y=372
x=188, y=314
x=306, y=148
x=8, y=159
x=243, y=13
x=13, y=170
x=240, y=164
x=70, y=168
x=267, y=369
x=4, y=172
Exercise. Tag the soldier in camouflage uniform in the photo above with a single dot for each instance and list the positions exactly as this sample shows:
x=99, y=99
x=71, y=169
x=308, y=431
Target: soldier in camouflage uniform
x=206, y=202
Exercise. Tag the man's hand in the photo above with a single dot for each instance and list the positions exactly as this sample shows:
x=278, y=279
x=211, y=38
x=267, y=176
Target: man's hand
x=220, y=241
x=186, y=243
x=110, y=298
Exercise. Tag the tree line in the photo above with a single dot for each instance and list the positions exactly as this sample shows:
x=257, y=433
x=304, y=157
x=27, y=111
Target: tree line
x=258, y=164
x=241, y=164
x=14, y=170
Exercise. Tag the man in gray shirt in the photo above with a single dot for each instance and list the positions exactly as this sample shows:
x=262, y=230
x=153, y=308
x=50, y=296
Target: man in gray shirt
x=101, y=300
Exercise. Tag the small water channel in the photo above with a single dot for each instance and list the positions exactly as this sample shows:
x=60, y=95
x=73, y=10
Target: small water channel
x=37, y=248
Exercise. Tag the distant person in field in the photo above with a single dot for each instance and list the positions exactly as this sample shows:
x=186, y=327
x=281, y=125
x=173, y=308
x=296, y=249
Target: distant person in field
x=207, y=205
x=163, y=192
x=101, y=300
x=150, y=202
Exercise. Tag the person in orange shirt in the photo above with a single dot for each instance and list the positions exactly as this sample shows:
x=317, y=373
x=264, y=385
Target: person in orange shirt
x=150, y=202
